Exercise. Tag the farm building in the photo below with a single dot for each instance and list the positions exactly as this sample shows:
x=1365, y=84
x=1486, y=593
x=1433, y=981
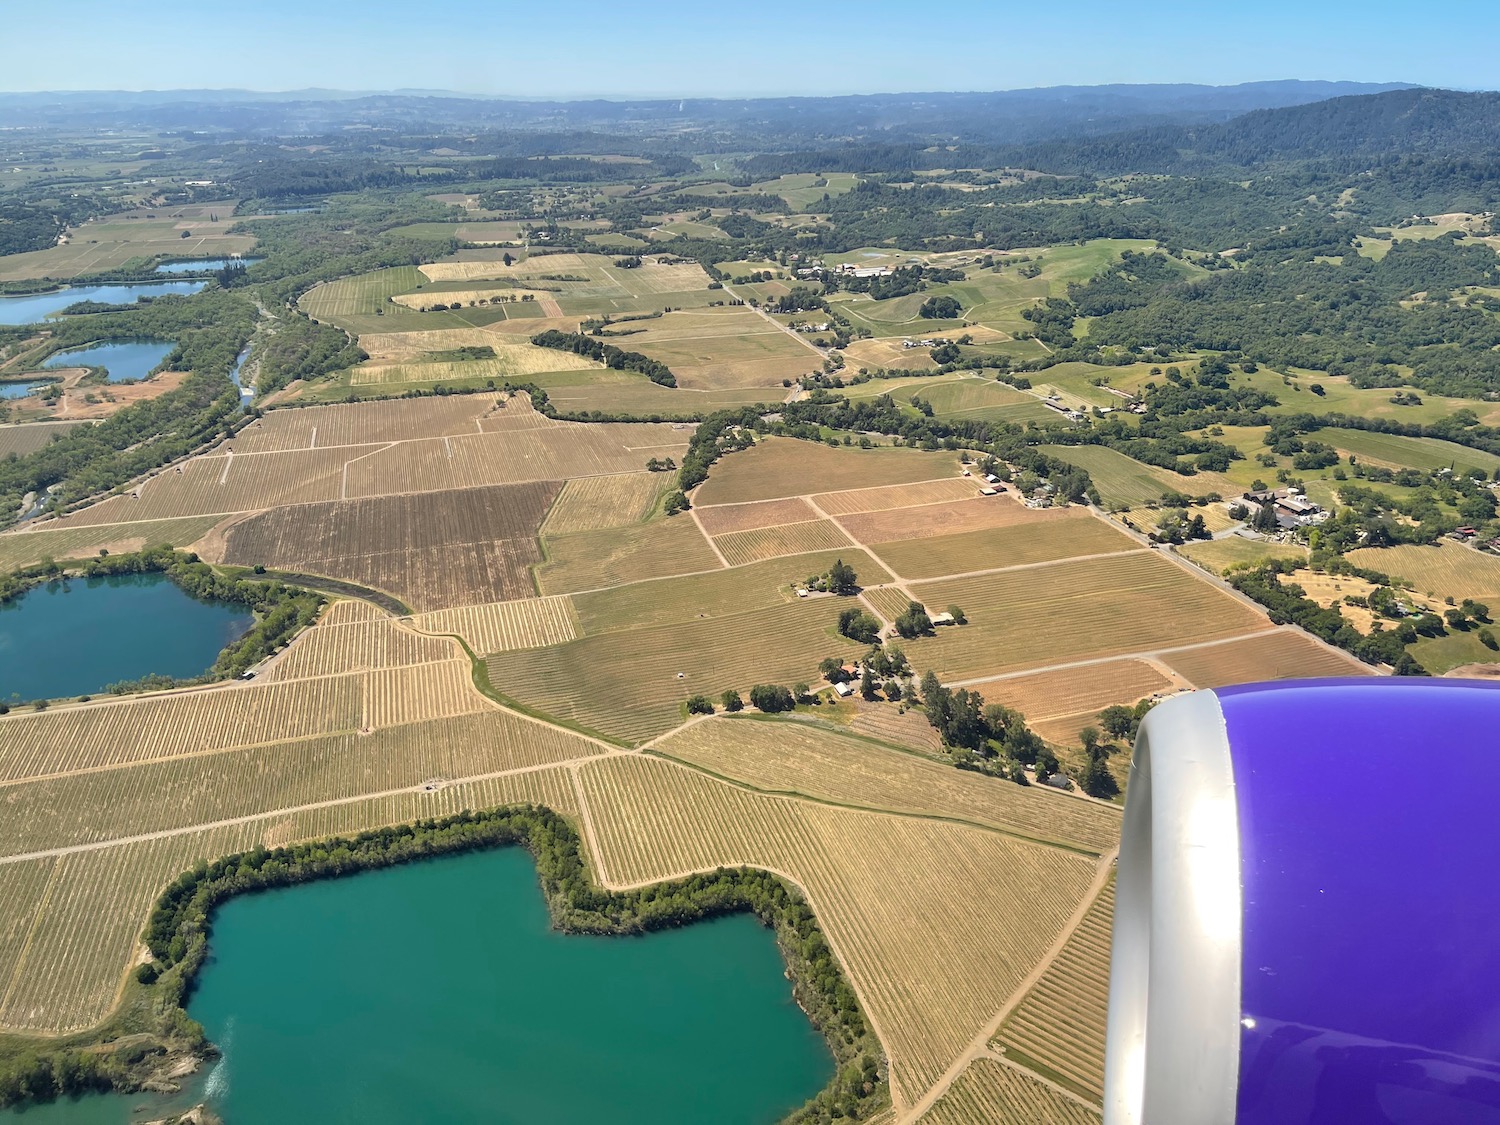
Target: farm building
x=843, y=691
x=943, y=619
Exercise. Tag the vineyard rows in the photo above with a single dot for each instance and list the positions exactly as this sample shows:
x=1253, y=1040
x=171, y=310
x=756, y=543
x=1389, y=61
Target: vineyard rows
x=1075, y=691
x=923, y=914
x=727, y=518
x=902, y=728
x=792, y=757
x=949, y=517
x=183, y=792
x=221, y=483
x=503, y=626
x=717, y=593
x=890, y=601
x=1061, y=1020
x=394, y=696
x=631, y=685
x=365, y=423
x=1072, y=611
x=129, y=730
x=894, y=495
x=1069, y=537
x=1444, y=570
x=742, y=547
x=779, y=467
x=989, y=1092
x=28, y=438
x=1279, y=655
x=476, y=460
x=592, y=560
x=333, y=647
x=590, y=503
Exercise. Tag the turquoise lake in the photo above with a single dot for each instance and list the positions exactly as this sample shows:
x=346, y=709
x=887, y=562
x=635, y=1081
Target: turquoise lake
x=125, y=360
x=193, y=265
x=76, y=637
x=27, y=310
x=437, y=992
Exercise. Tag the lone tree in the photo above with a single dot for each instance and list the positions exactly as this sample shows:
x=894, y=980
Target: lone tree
x=771, y=698
x=858, y=625
x=700, y=705
x=842, y=579
x=914, y=622
x=732, y=701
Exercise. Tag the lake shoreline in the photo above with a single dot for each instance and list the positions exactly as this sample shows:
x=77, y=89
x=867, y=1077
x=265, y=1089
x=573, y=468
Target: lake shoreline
x=153, y=1021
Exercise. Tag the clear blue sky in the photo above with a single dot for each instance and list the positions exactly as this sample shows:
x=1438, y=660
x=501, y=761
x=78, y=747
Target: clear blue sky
x=567, y=48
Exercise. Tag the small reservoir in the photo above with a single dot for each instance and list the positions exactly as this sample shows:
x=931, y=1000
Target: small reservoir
x=20, y=390
x=75, y=637
x=124, y=360
x=39, y=306
x=198, y=265
x=437, y=991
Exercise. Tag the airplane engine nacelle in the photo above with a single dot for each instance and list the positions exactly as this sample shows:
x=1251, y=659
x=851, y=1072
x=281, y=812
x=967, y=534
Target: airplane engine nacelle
x=1307, y=920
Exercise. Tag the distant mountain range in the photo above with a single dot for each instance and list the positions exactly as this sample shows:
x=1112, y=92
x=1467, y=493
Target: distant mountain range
x=1001, y=117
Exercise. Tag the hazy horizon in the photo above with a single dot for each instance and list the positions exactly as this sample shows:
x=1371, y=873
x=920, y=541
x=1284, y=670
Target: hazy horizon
x=676, y=49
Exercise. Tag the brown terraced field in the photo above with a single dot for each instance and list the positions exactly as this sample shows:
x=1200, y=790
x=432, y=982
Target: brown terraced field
x=431, y=550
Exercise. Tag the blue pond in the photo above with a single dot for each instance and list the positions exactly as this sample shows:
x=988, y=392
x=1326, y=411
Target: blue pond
x=193, y=265
x=123, y=359
x=77, y=637
x=18, y=390
x=28, y=310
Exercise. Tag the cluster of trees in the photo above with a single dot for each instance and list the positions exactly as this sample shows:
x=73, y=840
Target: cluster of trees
x=177, y=932
x=300, y=349
x=941, y=307
x=607, y=354
x=980, y=732
x=1287, y=603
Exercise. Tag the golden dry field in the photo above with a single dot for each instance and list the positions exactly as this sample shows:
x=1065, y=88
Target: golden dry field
x=1070, y=533
x=723, y=348
x=799, y=758
x=1068, y=699
x=884, y=498
x=781, y=467
x=1280, y=655
x=49, y=540
x=729, y=518
x=592, y=503
x=945, y=517
x=1445, y=570
x=592, y=560
x=1072, y=611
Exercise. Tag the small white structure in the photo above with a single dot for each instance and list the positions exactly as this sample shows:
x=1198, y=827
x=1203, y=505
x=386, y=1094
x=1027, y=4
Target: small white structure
x=843, y=691
x=988, y=491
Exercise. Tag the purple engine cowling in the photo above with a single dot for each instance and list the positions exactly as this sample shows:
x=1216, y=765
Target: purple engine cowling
x=1307, y=929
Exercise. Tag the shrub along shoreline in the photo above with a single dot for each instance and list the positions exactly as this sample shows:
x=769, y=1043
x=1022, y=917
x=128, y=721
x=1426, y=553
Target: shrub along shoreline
x=152, y=1032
